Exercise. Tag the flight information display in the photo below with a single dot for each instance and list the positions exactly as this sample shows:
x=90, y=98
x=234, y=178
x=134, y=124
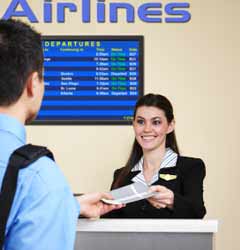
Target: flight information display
x=91, y=80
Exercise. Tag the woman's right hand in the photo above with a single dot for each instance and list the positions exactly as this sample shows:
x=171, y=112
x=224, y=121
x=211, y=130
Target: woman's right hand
x=163, y=198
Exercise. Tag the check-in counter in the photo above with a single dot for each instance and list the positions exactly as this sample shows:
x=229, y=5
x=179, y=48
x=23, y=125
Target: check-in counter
x=145, y=234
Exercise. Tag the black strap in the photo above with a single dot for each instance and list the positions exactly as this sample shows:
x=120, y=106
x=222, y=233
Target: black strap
x=20, y=158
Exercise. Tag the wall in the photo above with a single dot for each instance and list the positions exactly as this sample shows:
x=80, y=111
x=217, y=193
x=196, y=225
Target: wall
x=194, y=64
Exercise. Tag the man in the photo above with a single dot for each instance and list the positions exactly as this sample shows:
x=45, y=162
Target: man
x=44, y=212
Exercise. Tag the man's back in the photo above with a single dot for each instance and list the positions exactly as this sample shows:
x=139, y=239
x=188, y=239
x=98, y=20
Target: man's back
x=44, y=209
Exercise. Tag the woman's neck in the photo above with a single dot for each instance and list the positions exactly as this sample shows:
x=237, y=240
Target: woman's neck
x=152, y=159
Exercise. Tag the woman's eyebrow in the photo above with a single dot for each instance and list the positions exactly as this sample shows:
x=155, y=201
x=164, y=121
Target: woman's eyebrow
x=156, y=117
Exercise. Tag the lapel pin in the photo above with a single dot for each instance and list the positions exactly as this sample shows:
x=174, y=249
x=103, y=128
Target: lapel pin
x=168, y=177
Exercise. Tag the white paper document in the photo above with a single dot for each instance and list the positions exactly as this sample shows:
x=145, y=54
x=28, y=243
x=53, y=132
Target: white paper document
x=130, y=193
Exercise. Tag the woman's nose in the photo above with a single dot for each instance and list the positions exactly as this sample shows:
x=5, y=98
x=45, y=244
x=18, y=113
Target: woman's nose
x=147, y=127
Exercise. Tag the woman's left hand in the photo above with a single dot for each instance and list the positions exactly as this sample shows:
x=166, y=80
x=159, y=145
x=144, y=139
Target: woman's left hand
x=163, y=198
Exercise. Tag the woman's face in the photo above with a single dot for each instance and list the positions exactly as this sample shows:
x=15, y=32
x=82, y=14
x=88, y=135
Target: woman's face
x=151, y=128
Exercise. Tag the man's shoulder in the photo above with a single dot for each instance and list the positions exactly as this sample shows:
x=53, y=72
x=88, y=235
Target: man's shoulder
x=43, y=174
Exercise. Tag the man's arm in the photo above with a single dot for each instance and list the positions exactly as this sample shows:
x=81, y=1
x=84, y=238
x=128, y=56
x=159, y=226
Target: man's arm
x=92, y=206
x=45, y=212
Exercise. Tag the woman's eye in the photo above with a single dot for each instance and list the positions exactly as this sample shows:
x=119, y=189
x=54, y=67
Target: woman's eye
x=141, y=122
x=156, y=122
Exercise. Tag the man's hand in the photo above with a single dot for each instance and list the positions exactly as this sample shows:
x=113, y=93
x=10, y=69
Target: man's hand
x=163, y=198
x=92, y=207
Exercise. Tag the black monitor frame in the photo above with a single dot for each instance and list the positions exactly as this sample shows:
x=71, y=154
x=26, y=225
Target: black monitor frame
x=138, y=38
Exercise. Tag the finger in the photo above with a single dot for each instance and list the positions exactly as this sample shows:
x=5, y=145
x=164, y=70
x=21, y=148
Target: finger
x=161, y=205
x=106, y=208
x=151, y=200
x=161, y=196
x=106, y=196
x=158, y=205
x=97, y=196
x=157, y=188
x=154, y=203
x=166, y=202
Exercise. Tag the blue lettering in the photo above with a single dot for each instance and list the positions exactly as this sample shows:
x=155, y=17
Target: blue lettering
x=86, y=11
x=61, y=10
x=152, y=12
x=150, y=16
x=173, y=10
x=25, y=12
x=101, y=11
x=47, y=11
x=114, y=12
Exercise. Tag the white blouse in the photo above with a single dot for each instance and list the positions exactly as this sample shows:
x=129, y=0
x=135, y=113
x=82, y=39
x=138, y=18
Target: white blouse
x=169, y=160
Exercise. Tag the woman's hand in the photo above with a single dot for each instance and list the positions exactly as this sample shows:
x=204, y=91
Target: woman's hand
x=163, y=198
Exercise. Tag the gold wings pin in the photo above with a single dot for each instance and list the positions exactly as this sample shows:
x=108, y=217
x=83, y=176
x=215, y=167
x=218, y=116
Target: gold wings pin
x=168, y=177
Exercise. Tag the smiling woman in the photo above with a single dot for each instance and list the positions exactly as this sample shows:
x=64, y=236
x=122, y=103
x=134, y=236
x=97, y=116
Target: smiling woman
x=151, y=128
x=155, y=161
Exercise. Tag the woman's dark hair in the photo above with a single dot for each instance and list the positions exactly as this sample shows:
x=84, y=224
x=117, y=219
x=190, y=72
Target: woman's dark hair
x=149, y=100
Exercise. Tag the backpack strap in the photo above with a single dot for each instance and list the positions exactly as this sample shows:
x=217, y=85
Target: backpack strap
x=19, y=159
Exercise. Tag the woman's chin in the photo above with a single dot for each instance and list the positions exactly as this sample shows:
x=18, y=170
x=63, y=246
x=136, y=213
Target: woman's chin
x=148, y=147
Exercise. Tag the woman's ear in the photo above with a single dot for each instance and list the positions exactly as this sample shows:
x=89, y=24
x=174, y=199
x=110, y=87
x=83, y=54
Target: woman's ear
x=171, y=127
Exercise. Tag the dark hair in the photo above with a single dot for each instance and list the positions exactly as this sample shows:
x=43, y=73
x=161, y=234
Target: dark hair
x=20, y=55
x=149, y=100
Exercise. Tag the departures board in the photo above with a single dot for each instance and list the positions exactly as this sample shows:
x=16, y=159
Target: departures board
x=91, y=80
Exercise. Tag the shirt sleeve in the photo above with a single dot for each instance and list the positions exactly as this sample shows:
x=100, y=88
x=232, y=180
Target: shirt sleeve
x=47, y=215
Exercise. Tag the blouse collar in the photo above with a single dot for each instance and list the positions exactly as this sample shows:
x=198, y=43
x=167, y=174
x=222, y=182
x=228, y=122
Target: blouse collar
x=169, y=160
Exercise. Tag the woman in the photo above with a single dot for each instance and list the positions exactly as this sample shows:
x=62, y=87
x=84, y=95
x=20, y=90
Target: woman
x=155, y=161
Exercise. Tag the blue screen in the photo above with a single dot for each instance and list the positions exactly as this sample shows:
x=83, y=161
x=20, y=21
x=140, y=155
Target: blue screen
x=91, y=80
